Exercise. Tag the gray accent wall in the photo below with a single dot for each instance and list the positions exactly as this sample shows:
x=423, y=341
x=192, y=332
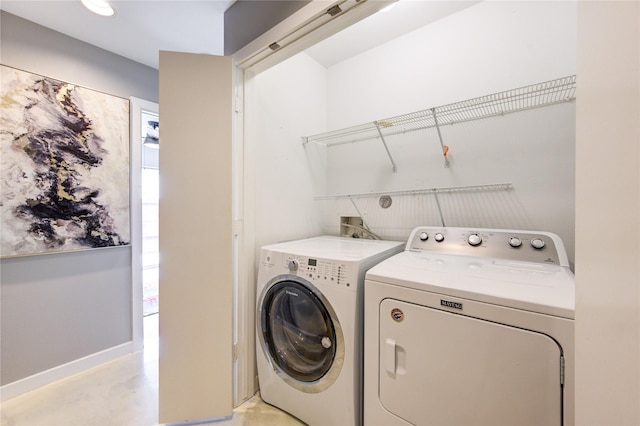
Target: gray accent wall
x=62, y=307
x=34, y=48
x=58, y=308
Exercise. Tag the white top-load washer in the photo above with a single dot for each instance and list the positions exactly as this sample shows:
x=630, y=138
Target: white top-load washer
x=309, y=325
x=470, y=327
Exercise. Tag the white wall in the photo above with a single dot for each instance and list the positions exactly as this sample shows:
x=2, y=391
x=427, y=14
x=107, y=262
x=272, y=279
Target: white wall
x=286, y=101
x=489, y=47
x=608, y=214
x=533, y=150
x=486, y=48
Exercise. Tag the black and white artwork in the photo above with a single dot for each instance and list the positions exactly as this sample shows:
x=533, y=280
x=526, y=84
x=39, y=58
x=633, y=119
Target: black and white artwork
x=64, y=166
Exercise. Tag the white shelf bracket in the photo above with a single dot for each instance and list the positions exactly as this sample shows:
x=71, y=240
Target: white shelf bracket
x=435, y=196
x=445, y=148
x=384, y=143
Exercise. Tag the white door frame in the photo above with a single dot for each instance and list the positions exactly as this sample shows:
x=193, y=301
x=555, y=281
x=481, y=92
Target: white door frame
x=136, y=109
x=244, y=214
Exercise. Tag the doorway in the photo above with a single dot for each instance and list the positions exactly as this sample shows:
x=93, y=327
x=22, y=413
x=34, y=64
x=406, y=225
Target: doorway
x=149, y=192
x=144, y=165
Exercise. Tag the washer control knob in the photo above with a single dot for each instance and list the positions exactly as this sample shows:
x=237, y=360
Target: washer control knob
x=537, y=243
x=293, y=265
x=474, y=240
x=439, y=237
x=515, y=242
x=424, y=236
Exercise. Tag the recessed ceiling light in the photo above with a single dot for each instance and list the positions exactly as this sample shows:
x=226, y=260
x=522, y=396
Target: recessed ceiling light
x=101, y=7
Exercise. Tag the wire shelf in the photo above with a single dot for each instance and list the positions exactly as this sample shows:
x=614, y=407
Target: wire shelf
x=459, y=204
x=437, y=190
x=521, y=99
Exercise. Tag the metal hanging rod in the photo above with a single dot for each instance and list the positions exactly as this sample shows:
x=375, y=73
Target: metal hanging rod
x=471, y=188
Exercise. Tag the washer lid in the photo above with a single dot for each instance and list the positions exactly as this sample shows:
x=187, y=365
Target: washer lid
x=542, y=288
x=337, y=248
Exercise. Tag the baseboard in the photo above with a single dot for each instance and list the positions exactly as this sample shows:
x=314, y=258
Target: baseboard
x=64, y=371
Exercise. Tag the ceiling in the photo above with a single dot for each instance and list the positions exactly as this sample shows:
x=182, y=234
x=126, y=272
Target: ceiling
x=141, y=28
x=381, y=27
x=138, y=30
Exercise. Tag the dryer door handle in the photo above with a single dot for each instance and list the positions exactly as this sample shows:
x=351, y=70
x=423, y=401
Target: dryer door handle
x=389, y=356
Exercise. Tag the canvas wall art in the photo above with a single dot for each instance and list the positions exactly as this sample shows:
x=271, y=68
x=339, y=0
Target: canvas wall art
x=64, y=166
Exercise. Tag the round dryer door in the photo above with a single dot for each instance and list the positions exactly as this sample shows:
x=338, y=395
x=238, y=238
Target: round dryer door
x=301, y=335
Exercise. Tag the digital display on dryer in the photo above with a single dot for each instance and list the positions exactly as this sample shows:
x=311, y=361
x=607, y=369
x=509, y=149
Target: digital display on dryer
x=313, y=262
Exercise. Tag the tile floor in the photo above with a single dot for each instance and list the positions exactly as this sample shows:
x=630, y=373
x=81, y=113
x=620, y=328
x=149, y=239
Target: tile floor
x=120, y=393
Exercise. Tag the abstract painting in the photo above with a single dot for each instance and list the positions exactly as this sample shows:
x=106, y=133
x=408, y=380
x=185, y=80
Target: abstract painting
x=64, y=166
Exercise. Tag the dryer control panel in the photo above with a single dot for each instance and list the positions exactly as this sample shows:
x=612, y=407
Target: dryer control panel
x=525, y=246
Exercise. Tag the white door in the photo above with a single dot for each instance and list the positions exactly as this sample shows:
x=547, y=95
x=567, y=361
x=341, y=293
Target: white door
x=440, y=368
x=196, y=288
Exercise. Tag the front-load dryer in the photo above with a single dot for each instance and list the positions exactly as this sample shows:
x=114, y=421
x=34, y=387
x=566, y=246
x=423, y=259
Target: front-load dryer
x=309, y=326
x=470, y=327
